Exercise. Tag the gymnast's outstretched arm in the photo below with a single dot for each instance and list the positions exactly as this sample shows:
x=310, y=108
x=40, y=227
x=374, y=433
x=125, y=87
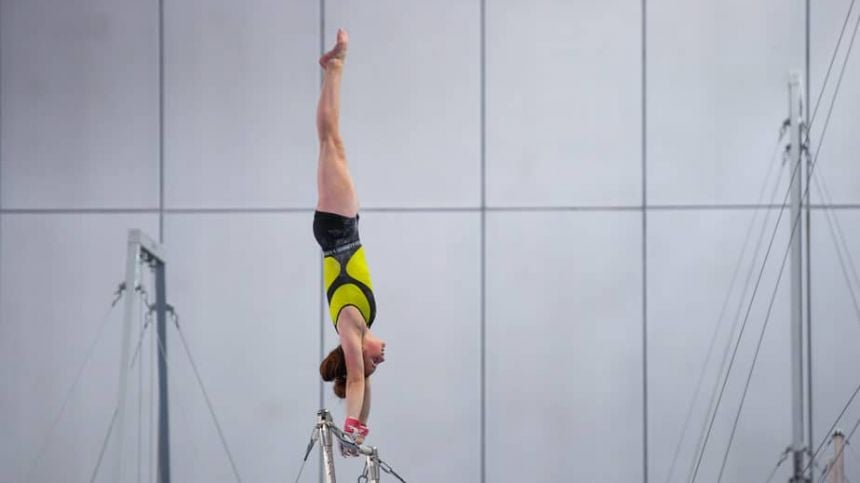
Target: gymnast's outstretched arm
x=365, y=406
x=350, y=340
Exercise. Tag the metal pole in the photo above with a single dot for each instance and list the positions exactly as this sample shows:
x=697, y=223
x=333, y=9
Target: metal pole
x=809, y=437
x=163, y=409
x=132, y=279
x=373, y=467
x=837, y=473
x=796, y=155
x=323, y=421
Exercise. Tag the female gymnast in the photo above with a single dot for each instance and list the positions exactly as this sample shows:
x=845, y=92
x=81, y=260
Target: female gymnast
x=345, y=272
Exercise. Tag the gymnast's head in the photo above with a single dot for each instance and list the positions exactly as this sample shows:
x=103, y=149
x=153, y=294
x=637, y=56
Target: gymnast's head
x=333, y=367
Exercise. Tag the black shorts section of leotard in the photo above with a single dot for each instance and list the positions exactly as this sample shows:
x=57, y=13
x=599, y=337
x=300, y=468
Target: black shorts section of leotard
x=334, y=231
x=338, y=237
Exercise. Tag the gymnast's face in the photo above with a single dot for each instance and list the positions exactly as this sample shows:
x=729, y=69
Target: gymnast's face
x=374, y=353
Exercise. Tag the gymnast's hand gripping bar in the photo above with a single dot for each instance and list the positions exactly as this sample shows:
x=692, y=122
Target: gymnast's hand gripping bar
x=344, y=439
x=326, y=431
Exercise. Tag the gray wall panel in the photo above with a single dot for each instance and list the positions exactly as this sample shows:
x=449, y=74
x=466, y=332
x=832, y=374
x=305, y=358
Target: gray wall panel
x=79, y=104
x=692, y=257
x=411, y=100
x=58, y=279
x=839, y=143
x=564, y=347
x=426, y=395
x=246, y=290
x=717, y=94
x=564, y=103
x=241, y=81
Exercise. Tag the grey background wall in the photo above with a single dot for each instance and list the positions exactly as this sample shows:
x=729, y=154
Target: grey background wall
x=555, y=198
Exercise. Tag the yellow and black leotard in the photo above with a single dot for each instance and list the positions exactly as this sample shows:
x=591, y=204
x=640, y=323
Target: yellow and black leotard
x=345, y=273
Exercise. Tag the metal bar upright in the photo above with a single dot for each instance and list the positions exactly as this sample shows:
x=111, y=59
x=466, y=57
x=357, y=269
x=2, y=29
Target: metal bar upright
x=373, y=467
x=798, y=449
x=163, y=407
x=323, y=421
x=837, y=471
x=142, y=251
x=132, y=281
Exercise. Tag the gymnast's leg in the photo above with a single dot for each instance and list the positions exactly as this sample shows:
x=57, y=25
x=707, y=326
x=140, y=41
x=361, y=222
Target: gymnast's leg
x=334, y=184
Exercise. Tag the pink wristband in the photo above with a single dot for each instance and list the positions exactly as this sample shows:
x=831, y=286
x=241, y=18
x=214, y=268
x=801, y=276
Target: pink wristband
x=353, y=426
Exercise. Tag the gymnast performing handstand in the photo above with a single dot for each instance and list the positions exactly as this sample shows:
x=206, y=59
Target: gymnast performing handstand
x=345, y=273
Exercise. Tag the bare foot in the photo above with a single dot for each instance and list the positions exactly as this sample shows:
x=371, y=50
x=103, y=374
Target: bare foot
x=337, y=54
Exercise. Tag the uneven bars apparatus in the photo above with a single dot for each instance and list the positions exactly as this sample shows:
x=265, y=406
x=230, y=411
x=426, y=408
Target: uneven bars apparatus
x=325, y=430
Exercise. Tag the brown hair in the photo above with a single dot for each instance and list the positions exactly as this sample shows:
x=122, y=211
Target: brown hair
x=333, y=368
